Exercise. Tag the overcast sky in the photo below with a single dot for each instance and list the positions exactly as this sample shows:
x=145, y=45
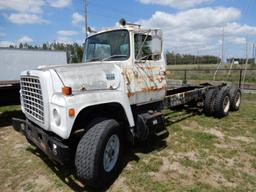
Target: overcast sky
x=189, y=26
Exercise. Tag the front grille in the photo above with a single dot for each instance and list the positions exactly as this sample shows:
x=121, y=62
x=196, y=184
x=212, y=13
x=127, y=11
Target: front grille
x=32, y=97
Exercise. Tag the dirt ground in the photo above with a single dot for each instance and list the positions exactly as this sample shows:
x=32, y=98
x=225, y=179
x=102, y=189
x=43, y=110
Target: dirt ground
x=201, y=154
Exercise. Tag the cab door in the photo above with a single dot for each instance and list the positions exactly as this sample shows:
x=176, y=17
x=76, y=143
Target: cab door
x=148, y=69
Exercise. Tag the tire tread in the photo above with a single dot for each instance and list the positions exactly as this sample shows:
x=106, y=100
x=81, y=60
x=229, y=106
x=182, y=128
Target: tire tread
x=218, y=105
x=88, y=151
x=209, y=102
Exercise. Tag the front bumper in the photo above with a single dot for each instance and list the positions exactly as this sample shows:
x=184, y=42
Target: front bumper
x=50, y=145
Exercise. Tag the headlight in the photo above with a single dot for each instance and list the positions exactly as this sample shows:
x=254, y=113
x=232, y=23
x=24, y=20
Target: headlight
x=56, y=117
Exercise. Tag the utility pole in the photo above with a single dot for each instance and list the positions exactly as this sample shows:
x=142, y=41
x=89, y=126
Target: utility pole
x=85, y=18
x=222, y=47
x=253, y=53
x=222, y=55
x=246, y=49
x=246, y=61
x=175, y=56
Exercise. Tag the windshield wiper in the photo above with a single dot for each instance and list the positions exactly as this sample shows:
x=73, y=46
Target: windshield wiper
x=113, y=56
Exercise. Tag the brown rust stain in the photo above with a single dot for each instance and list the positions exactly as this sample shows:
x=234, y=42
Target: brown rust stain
x=146, y=89
x=150, y=67
x=149, y=89
x=168, y=72
x=130, y=94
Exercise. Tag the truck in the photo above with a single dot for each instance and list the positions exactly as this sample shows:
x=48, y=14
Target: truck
x=88, y=114
x=13, y=61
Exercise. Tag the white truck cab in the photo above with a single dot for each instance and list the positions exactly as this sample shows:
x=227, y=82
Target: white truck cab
x=125, y=66
x=121, y=79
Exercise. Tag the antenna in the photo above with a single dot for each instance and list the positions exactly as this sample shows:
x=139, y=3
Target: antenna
x=85, y=18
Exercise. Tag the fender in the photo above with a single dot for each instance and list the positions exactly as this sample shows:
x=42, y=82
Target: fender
x=83, y=100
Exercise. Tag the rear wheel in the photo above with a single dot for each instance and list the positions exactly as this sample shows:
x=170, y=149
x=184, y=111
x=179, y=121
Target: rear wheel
x=209, y=102
x=235, y=98
x=222, y=103
x=99, y=154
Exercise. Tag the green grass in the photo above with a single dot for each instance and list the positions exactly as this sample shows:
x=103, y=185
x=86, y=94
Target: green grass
x=7, y=112
x=208, y=66
x=9, y=108
x=254, y=164
x=193, y=66
x=218, y=163
x=206, y=73
x=190, y=163
x=201, y=154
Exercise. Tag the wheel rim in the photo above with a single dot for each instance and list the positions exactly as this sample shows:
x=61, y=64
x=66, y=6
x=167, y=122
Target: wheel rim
x=111, y=153
x=226, y=104
x=238, y=99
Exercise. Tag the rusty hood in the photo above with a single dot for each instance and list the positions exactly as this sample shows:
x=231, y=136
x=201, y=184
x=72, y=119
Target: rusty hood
x=90, y=76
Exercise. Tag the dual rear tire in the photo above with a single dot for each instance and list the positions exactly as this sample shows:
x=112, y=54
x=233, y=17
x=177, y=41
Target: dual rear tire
x=222, y=103
x=235, y=98
x=218, y=102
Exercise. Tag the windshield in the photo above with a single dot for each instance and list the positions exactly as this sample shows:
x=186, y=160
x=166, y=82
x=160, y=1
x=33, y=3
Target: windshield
x=108, y=46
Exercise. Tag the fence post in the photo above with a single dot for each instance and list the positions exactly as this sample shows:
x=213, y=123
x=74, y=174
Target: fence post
x=185, y=77
x=240, y=78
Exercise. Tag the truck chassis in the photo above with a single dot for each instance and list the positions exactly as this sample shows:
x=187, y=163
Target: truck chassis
x=85, y=114
x=61, y=152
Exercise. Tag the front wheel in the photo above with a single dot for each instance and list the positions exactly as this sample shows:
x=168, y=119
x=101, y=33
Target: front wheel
x=99, y=153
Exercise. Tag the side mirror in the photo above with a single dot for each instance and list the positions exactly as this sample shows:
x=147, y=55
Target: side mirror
x=156, y=43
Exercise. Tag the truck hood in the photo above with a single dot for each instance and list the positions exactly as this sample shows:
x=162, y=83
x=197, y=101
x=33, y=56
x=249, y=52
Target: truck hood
x=89, y=76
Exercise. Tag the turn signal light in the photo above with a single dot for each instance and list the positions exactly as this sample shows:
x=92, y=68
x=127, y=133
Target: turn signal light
x=66, y=90
x=71, y=112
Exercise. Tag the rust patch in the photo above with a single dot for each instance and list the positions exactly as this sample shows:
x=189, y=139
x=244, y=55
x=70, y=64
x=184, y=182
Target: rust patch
x=130, y=94
x=150, y=67
x=168, y=72
x=148, y=89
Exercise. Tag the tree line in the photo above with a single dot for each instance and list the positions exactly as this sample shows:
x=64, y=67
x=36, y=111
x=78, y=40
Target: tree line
x=181, y=59
x=240, y=60
x=75, y=54
x=74, y=51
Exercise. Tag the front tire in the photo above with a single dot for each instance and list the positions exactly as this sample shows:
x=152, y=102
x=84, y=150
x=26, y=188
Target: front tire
x=99, y=153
